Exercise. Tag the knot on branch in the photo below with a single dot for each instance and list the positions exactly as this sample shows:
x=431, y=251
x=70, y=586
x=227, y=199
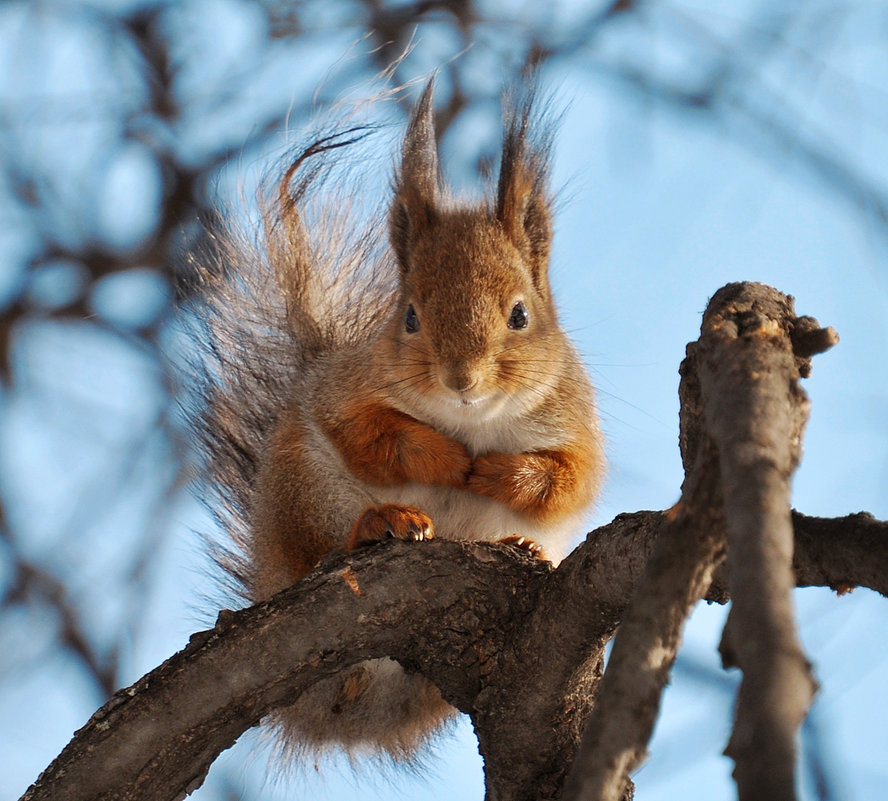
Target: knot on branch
x=751, y=310
x=808, y=339
x=748, y=309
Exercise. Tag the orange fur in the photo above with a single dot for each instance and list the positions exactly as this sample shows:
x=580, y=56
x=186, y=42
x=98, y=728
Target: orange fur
x=384, y=446
x=545, y=484
x=390, y=521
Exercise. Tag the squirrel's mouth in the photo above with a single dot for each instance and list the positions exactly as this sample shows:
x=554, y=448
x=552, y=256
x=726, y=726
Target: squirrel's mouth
x=464, y=408
x=469, y=398
x=467, y=401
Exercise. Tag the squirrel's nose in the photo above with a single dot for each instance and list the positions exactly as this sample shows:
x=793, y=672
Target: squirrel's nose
x=461, y=377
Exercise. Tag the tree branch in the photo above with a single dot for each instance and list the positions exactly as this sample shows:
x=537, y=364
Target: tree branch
x=511, y=641
x=157, y=738
x=677, y=576
x=742, y=415
x=461, y=603
x=756, y=412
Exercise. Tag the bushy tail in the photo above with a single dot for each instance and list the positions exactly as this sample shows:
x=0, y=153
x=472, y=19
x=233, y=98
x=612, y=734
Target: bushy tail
x=313, y=276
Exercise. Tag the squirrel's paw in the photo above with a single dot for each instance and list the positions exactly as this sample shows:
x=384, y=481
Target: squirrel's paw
x=390, y=521
x=525, y=544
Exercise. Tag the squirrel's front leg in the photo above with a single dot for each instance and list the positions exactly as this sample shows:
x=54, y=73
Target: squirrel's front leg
x=383, y=446
x=545, y=485
x=390, y=521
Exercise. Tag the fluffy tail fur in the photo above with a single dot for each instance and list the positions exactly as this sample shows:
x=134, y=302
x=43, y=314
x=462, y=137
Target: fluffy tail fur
x=310, y=278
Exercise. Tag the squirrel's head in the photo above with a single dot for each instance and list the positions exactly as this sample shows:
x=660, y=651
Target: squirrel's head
x=476, y=319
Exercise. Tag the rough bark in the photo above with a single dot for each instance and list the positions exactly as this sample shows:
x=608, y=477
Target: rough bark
x=509, y=640
x=756, y=413
x=444, y=606
x=742, y=418
x=677, y=576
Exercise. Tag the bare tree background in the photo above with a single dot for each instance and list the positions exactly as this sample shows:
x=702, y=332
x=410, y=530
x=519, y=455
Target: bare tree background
x=186, y=102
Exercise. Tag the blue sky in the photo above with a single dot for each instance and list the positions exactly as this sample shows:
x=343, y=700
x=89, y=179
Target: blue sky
x=658, y=209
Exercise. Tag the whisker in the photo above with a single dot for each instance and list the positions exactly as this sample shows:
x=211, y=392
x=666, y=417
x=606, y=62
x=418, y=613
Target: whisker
x=408, y=381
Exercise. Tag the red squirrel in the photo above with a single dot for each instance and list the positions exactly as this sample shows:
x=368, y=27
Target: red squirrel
x=358, y=392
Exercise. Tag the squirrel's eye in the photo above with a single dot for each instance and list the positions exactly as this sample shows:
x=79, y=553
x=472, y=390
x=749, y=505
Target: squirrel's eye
x=411, y=321
x=519, y=316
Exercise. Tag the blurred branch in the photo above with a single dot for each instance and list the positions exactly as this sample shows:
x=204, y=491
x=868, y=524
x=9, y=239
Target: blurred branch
x=727, y=87
x=33, y=585
x=783, y=133
x=733, y=87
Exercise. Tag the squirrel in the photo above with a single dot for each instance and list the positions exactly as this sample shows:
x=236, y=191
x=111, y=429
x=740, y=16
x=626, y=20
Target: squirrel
x=354, y=392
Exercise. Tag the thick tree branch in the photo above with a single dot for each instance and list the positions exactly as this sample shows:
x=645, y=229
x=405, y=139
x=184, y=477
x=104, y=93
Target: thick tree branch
x=460, y=603
x=509, y=640
x=841, y=552
x=742, y=416
x=755, y=413
x=677, y=576
x=157, y=738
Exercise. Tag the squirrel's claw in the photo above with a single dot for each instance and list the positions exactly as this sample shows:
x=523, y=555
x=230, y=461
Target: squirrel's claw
x=525, y=544
x=390, y=521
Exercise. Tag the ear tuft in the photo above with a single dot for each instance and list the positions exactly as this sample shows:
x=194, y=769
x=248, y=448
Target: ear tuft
x=522, y=200
x=416, y=184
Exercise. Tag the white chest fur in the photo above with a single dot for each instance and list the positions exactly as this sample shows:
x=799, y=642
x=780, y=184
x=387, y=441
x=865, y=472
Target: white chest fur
x=462, y=515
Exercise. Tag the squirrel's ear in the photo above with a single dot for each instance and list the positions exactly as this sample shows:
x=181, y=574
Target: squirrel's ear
x=522, y=199
x=416, y=184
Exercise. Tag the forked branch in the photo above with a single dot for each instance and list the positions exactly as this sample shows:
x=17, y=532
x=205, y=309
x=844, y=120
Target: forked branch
x=518, y=645
x=742, y=418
